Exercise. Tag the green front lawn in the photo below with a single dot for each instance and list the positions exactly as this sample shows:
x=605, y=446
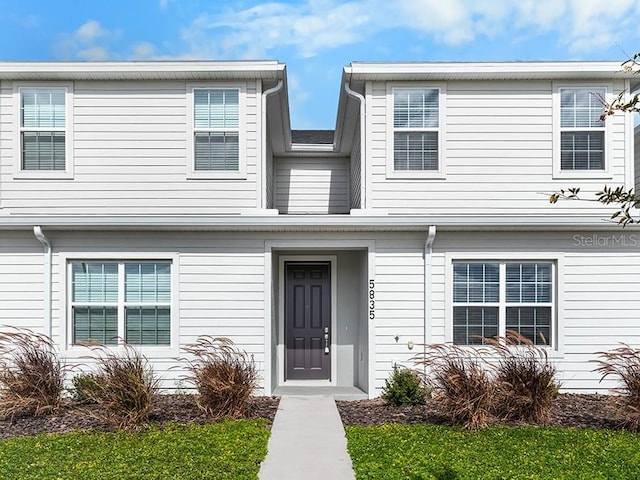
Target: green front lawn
x=226, y=450
x=412, y=452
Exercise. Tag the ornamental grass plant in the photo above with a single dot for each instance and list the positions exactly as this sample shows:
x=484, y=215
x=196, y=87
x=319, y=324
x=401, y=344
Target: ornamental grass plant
x=224, y=376
x=31, y=374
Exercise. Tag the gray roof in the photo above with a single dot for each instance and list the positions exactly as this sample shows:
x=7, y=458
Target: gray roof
x=312, y=137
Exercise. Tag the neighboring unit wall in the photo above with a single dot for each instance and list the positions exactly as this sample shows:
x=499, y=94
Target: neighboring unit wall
x=356, y=170
x=130, y=156
x=269, y=176
x=636, y=154
x=498, y=153
x=312, y=185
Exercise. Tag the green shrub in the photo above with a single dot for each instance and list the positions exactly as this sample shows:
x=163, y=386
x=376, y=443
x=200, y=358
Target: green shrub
x=624, y=362
x=31, y=375
x=525, y=379
x=404, y=387
x=85, y=387
x=123, y=386
x=460, y=382
x=224, y=376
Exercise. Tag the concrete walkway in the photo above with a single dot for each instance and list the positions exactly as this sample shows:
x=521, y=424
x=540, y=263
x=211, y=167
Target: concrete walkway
x=307, y=441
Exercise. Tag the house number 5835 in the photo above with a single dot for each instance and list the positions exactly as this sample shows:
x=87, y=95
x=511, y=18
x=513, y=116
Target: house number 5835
x=372, y=300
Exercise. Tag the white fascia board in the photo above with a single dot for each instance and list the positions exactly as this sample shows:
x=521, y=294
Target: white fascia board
x=326, y=223
x=485, y=70
x=158, y=70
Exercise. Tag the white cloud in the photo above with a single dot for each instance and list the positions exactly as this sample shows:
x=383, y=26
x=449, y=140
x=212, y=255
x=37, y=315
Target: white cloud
x=312, y=26
x=307, y=27
x=89, y=32
x=89, y=42
x=143, y=50
x=95, y=54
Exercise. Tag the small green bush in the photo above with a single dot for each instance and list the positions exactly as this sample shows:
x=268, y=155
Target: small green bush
x=624, y=363
x=404, y=387
x=86, y=386
x=31, y=375
x=124, y=386
x=224, y=376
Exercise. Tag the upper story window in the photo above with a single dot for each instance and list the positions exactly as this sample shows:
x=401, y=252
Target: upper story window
x=116, y=300
x=582, y=131
x=44, y=131
x=490, y=298
x=581, y=137
x=215, y=132
x=415, y=132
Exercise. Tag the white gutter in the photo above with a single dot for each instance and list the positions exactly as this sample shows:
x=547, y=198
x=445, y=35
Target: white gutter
x=48, y=260
x=263, y=133
x=363, y=143
x=428, y=250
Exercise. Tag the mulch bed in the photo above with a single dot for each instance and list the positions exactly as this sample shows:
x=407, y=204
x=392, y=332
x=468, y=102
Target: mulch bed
x=569, y=410
x=166, y=408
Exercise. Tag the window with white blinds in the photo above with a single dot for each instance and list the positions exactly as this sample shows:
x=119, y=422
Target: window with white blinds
x=113, y=301
x=490, y=298
x=216, y=122
x=416, y=114
x=43, y=126
x=582, y=133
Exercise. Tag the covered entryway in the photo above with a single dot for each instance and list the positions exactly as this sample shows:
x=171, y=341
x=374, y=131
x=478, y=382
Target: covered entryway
x=320, y=330
x=307, y=321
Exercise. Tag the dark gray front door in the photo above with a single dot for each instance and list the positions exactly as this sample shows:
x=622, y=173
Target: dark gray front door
x=307, y=321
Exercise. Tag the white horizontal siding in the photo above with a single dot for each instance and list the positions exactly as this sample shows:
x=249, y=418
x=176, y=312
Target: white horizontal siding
x=498, y=154
x=21, y=281
x=312, y=185
x=129, y=153
x=221, y=288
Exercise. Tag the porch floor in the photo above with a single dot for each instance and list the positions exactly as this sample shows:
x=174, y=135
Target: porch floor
x=338, y=393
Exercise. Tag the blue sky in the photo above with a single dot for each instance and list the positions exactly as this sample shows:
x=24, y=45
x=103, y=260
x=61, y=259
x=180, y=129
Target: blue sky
x=315, y=38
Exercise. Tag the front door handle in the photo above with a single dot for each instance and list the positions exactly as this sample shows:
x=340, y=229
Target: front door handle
x=326, y=339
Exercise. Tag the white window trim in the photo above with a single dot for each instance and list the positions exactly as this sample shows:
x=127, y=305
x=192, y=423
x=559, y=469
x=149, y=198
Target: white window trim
x=558, y=173
x=556, y=343
x=65, y=174
x=439, y=174
x=66, y=321
x=241, y=173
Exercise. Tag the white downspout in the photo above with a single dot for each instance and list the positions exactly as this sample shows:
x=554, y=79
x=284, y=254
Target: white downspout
x=263, y=133
x=363, y=144
x=48, y=260
x=428, y=250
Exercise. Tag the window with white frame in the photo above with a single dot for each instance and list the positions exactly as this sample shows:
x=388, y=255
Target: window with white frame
x=416, y=124
x=43, y=128
x=582, y=133
x=113, y=301
x=490, y=298
x=216, y=122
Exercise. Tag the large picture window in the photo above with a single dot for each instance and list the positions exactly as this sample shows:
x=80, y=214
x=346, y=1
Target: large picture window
x=43, y=129
x=114, y=301
x=490, y=298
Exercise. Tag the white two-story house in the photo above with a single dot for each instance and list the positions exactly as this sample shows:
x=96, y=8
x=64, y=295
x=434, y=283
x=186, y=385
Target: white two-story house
x=154, y=202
